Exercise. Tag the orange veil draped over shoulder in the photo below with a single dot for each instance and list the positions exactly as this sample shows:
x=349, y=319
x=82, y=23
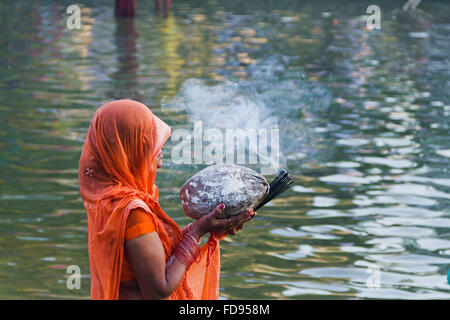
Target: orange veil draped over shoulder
x=117, y=174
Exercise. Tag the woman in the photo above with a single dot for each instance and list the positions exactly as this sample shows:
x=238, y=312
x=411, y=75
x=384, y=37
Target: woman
x=136, y=251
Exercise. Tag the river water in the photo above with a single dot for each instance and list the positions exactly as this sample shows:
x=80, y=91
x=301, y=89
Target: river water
x=364, y=129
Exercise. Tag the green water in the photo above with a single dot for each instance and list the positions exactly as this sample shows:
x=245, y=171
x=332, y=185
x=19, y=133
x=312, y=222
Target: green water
x=365, y=135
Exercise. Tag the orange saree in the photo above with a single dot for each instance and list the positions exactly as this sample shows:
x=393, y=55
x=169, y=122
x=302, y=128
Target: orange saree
x=117, y=174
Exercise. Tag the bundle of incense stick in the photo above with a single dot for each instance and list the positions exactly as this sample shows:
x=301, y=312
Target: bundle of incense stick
x=280, y=184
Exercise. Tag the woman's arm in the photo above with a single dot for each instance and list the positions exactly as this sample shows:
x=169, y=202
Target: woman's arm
x=146, y=254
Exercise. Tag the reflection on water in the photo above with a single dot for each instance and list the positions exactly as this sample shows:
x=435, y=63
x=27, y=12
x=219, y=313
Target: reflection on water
x=365, y=118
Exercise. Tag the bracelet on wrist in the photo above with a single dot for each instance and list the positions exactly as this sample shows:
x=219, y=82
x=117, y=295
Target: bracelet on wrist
x=187, y=250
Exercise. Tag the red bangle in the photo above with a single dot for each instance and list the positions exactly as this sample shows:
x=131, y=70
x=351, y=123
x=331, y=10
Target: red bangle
x=183, y=256
x=190, y=237
x=187, y=250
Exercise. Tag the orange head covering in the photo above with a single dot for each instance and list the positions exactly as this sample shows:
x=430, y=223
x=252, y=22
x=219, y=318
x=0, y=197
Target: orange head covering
x=117, y=173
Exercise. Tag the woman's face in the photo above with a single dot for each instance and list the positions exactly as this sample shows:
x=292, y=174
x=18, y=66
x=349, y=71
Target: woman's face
x=159, y=159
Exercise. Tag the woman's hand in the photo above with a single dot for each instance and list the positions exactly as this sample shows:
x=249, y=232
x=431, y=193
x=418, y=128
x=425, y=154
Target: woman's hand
x=238, y=224
x=210, y=223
